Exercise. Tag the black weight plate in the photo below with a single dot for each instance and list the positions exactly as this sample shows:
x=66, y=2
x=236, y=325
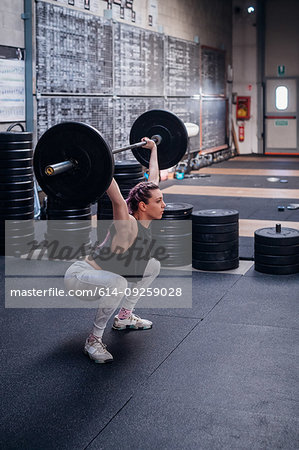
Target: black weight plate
x=16, y=172
x=24, y=231
x=69, y=216
x=269, y=236
x=5, y=195
x=130, y=182
x=180, y=209
x=176, y=217
x=227, y=255
x=160, y=231
x=84, y=144
x=15, y=154
x=15, y=239
x=17, y=163
x=278, y=250
x=176, y=262
x=277, y=270
x=10, y=136
x=127, y=166
x=214, y=246
x=128, y=176
x=67, y=209
x=219, y=237
x=172, y=130
x=15, y=216
x=215, y=216
x=17, y=202
x=272, y=260
x=17, y=186
x=215, y=265
x=15, y=146
x=54, y=205
x=218, y=228
x=16, y=209
x=125, y=193
x=79, y=231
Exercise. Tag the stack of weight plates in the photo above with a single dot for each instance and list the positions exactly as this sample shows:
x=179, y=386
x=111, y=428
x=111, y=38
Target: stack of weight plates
x=16, y=191
x=127, y=174
x=68, y=230
x=276, y=250
x=174, y=235
x=215, y=239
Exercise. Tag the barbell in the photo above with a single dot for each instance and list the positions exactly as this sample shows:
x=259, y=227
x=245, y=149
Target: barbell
x=74, y=163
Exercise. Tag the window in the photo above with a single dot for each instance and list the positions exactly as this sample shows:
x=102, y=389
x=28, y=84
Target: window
x=281, y=97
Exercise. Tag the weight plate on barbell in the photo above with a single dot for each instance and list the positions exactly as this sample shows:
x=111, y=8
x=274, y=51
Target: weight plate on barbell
x=78, y=142
x=172, y=130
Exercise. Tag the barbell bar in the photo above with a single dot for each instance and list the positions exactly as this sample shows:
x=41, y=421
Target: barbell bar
x=64, y=166
x=78, y=146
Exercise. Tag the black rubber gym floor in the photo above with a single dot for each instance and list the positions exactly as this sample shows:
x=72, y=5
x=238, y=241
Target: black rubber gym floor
x=219, y=375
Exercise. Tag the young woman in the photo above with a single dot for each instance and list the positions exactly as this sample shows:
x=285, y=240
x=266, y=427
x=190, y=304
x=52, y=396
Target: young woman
x=128, y=264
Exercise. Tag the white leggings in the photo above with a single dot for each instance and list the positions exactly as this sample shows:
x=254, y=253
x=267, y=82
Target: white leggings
x=82, y=276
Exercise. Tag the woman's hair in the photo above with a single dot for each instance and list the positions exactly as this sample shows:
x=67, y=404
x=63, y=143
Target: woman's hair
x=140, y=193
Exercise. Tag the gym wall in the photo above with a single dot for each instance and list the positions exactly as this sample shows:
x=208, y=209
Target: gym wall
x=105, y=65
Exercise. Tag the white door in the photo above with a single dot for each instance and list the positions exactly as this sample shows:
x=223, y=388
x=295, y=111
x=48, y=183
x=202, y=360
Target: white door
x=281, y=117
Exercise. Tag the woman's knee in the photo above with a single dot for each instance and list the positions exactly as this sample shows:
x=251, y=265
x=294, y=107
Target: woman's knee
x=153, y=267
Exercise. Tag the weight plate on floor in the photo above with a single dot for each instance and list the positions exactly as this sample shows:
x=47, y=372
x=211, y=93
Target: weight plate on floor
x=5, y=195
x=17, y=186
x=16, y=172
x=15, y=154
x=131, y=166
x=16, y=210
x=130, y=182
x=17, y=163
x=8, y=203
x=215, y=216
x=274, y=260
x=81, y=143
x=278, y=250
x=17, y=216
x=128, y=176
x=227, y=255
x=219, y=237
x=277, y=270
x=218, y=228
x=177, y=209
x=269, y=236
x=13, y=147
x=9, y=136
x=214, y=246
x=172, y=131
x=215, y=265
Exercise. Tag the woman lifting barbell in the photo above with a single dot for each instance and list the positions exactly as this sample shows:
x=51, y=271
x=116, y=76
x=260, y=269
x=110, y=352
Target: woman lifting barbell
x=128, y=236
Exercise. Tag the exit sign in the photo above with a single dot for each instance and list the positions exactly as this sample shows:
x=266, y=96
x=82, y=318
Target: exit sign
x=281, y=70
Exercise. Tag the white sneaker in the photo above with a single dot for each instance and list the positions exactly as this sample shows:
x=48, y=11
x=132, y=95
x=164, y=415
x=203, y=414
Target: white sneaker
x=134, y=322
x=96, y=350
